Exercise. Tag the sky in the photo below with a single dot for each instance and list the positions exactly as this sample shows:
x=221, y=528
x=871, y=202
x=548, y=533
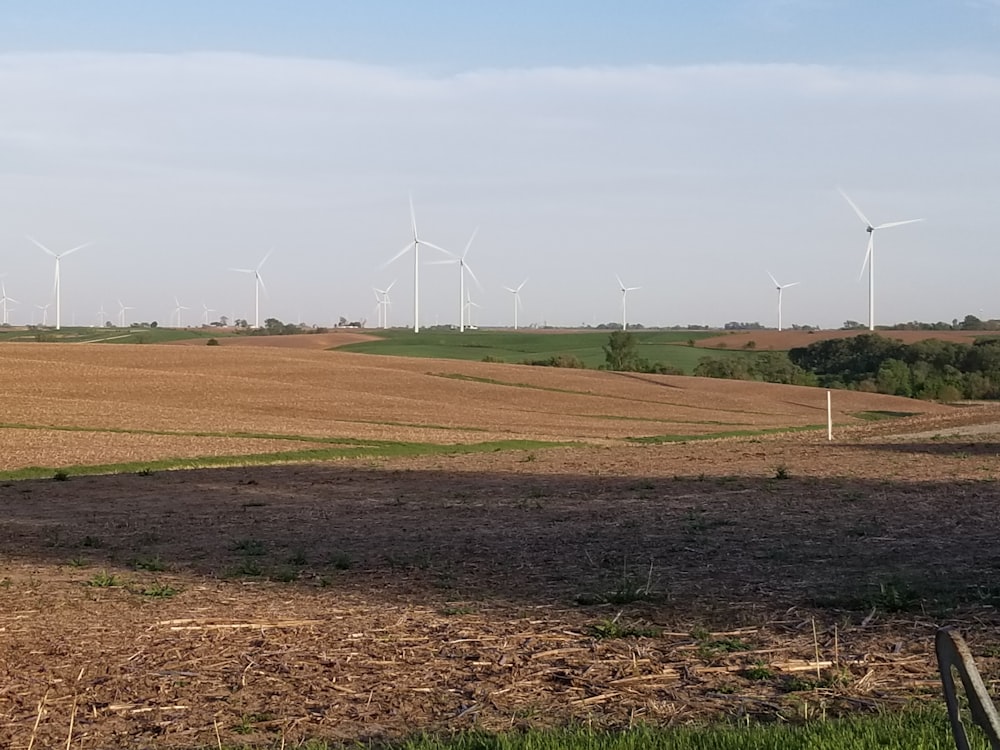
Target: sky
x=688, y=148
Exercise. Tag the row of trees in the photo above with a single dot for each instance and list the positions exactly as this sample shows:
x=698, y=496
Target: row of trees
x=930, y=369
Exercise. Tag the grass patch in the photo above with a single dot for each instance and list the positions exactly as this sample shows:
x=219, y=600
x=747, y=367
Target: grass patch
x=342, y=448
x=905, y=730
x=104, y=580
x=616, y=628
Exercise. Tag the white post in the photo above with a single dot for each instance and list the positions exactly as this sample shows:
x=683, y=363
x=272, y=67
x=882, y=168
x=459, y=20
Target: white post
x=829, y=417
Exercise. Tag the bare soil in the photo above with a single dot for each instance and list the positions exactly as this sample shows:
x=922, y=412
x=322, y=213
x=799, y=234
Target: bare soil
x=605, y=582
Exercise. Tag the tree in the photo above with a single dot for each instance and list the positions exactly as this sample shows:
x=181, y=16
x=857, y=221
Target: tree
x=620, y=353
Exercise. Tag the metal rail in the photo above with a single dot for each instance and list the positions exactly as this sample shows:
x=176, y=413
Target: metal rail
x=953, y=656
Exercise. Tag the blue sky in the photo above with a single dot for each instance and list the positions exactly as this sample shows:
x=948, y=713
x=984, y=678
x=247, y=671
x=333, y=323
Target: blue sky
x=688, y=148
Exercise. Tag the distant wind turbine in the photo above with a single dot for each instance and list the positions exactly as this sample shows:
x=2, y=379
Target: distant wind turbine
x=414, y=245
x=206, y=310
x=516, y=291
x=467, y=308
x=177, y=311
x=122, y=309
x=383, y=303
x=463, y=268
x=58, y=257
x=870, y=254
x=258, y=285
x=780, y=288
x=101, y=315
x=5, y=299
x=625, y=290
x=45, y=312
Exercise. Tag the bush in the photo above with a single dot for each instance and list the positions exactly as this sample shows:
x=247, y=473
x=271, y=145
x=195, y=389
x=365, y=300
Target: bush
x=212, y=342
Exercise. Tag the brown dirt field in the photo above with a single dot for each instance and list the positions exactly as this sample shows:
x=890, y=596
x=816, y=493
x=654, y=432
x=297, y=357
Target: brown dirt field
x=376, y=598
x=293, y=341
x=784, y=340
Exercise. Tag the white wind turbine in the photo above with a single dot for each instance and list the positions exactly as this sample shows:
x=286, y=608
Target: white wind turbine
x=625, y=290
x=178, y=309
x=463, y=268
x=258, y=285
x=870, y=254
x=414, y=245
x=122, y=309
x=205, y=311
x=383, y=303
x=58, y=257
x=780, y=288
x=5, y=299
x=45, y=313
x=101, y=315
x=516, y=291
x=467, y=308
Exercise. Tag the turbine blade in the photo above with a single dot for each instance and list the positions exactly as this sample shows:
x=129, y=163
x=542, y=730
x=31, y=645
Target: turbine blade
x=521, y=285
x=263, y=286
x=448, y=262
x=243, y=270
x=794, y=283
x=39, y=244
x=413, y=218
x=264, y=259
x=389, y=288
x=621, y=284
x=437, y=247
x=773, y=279
x=78, y=247
x=897, y=223
x=469, y=243
x=468, y=268
x=856, y=209
x=512, y=291
x=400, y=254
x=868, y=255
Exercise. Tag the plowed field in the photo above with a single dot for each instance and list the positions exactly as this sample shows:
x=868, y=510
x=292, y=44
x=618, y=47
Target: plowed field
x=605, y=581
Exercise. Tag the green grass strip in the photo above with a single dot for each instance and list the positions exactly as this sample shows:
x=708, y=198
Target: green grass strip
x=926, y=729
x=381, y=449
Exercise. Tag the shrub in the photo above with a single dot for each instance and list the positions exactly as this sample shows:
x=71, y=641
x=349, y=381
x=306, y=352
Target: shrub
x=212, y=342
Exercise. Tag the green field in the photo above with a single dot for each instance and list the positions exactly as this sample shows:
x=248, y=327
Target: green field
x=515, y=347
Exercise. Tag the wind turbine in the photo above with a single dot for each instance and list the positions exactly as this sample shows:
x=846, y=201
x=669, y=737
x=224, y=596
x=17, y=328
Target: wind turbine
x=870, y=254
x=625, y=291
x=414, y=244
x=177, y=311
x=101, y=316
x=258, y=285
x=463, y=267
x=516, y=291
x=383, y=304
x=467, y=308
x=45, y=313
x=781, y=287
x=5, y=299
x=122, y=309
x=58, y=257
x=204, y=316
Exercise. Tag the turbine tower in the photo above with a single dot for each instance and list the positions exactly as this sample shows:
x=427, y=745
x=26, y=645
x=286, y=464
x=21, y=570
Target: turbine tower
x=258, y=285
x=870, y=254
x=58, y=257
x=780, y=287
x=625, y=290
x=516, y=291
x=414, y=245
